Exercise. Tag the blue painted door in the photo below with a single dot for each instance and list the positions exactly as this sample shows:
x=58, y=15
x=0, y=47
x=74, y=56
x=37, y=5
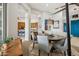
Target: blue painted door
x=75, y=28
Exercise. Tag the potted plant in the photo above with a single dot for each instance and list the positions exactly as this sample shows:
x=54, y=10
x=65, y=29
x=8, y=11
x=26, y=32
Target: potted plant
x=6, y=41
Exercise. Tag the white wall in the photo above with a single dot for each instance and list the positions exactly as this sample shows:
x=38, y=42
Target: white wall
x=13, y=11
x=44, y=16
x=59, y=17
x=41, y=21
x=35, y=14
x=71, y=12
x=12, y=14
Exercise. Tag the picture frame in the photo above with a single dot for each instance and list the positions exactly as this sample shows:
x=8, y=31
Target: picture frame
x=48, y=24
x=56, y=24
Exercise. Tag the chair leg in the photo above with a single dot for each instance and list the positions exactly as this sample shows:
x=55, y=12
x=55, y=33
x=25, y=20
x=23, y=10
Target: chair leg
x=21, y=55
x=39, y=52
x=64, y=53
x=48, y=54
x=51, y=54
x=33, y=45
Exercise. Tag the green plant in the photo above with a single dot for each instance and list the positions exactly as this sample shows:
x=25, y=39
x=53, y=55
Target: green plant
x=1, y=44
x=8, y=39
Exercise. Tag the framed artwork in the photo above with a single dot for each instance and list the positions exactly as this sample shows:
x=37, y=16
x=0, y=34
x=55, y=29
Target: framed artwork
x=56, y=24
x=48, y=24
x=34, y=25
x=21, y=26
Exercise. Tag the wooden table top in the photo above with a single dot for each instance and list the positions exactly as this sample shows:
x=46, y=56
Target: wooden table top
x=56, y=38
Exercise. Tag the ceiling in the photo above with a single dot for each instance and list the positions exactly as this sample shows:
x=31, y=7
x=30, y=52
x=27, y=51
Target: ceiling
x=46, y=7
x=52, y=7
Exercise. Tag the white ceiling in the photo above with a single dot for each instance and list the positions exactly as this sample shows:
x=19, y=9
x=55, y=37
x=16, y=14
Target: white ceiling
x=46, y=7
x=51, y=7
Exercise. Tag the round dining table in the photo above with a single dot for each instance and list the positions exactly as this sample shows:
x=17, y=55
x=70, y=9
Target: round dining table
x=55, y=38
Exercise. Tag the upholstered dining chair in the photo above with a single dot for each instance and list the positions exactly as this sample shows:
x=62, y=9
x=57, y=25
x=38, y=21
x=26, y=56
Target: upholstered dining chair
x=43, y=44
x=34, y=38
x=62, y=46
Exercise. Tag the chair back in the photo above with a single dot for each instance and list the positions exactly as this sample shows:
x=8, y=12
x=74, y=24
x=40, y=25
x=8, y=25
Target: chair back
x=61, y=45
x=32, y=35
x=65, y=47
x=65, y=44
x=43, y=43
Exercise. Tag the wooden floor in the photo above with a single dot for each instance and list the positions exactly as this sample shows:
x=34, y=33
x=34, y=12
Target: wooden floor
x=34, y=52
x=28, y=51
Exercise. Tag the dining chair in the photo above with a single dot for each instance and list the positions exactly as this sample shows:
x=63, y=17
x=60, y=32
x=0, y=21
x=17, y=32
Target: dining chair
x=62, y=46
x=43, y=44
x=34, y=38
